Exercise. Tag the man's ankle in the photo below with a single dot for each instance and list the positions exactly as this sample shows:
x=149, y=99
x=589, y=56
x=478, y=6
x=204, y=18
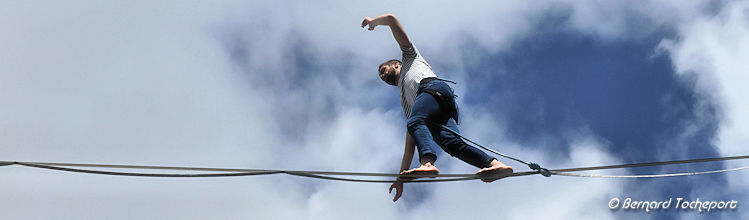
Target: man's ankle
x=494, y=162
x=427, y=161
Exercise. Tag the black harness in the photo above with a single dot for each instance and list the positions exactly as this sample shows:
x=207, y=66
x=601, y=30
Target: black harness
x=446, y=101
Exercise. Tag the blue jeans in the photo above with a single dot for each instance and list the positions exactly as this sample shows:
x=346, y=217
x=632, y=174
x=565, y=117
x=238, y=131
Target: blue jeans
x=428, y=115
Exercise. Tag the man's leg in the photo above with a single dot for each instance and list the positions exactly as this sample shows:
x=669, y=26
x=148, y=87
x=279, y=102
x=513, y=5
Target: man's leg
x=456, y=147
x=425, y=106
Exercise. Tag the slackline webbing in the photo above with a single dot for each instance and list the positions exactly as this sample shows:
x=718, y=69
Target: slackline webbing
x=330, y=175
x=653, y=163
x=648, y=176
x=247, y=172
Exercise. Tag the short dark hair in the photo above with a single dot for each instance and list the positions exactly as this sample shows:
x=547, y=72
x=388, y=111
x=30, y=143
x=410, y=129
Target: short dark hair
x=389, y=62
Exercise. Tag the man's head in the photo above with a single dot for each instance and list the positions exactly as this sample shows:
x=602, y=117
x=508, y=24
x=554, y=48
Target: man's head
x=389, y=71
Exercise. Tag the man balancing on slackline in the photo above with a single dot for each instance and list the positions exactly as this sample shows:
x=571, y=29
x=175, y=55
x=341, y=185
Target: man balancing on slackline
x=428, y=103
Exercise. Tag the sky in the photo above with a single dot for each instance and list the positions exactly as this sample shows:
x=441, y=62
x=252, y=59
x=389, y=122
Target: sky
x=293, y=85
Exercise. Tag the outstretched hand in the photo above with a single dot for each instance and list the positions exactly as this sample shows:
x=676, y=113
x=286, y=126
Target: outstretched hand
x=398, y=185
x=368, y=21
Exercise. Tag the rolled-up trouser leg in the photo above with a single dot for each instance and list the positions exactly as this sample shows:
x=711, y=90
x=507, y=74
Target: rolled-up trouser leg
x=424, y=107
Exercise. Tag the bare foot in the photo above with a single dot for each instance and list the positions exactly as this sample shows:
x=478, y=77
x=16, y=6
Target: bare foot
x=496, y=171
x=424, y=169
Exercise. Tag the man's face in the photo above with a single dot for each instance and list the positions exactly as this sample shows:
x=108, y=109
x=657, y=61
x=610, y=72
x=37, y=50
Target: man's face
x=389, y=73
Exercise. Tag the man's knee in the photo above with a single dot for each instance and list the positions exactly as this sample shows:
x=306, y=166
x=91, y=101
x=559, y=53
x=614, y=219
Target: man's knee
x=452, y=145
x=415, y=122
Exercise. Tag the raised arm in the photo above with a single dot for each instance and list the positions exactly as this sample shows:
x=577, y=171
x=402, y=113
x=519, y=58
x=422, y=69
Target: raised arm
x=390, y=20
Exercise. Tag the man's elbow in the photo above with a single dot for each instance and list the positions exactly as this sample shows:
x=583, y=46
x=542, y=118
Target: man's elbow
x=391, y=17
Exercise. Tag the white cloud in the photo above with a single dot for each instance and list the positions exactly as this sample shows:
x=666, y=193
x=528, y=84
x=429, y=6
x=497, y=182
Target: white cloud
x=716, y=49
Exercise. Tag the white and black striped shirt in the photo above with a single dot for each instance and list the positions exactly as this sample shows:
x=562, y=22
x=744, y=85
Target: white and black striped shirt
x=414, y=68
